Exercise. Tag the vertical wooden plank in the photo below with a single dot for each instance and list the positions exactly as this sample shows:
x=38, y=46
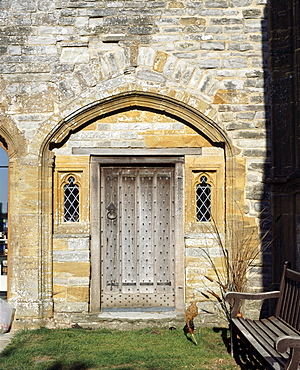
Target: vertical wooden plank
x=280, y=302
x=145, y=231
x=164, y=264
x=110, y=256
x=128, y=231
x=293, y=302
x=296, y=305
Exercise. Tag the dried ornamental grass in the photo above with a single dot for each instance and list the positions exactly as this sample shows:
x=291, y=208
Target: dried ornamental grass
x=240, y=251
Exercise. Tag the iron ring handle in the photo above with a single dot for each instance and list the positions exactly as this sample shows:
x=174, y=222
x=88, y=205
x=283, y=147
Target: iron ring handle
x=111, y=214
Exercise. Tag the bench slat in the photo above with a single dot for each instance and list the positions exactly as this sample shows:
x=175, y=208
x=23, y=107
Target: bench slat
x=291, y=301
x=283, y=327
x=263, y=351
x=267, y=338
x=271, y=333
x=295, y=323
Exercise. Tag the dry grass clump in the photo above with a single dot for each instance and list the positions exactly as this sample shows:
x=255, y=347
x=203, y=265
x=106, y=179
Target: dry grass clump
x=240, y=248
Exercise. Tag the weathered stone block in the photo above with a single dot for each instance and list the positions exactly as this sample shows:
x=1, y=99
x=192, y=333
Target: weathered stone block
x=160, y=61
x=211, y=45
x=41, y=40
x=77, y=294
x=192, y=20
x=142, y=30
x=75, y=55
x=209, y=63
x=71, y=268
x=216, y=4
x=235, y=63
x=151, y=76
x=71, y=307
x=252, y=13
x=240, y=3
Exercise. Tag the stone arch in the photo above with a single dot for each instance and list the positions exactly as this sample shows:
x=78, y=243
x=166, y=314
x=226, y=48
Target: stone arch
x=138, y=99
x=10, y=137
x=13, y=142
x=116, y=103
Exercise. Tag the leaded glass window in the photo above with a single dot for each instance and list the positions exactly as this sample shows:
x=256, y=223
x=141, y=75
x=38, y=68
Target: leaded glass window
x=71, y=201
x=203, y=200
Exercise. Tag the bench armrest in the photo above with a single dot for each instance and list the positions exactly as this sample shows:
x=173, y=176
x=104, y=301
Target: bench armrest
x=238, y=296
x=287, y=341
x=293, y=342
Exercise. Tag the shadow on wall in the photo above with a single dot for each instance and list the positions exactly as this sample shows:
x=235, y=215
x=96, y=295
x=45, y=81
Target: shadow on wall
x=282, y=94
x=263, y=195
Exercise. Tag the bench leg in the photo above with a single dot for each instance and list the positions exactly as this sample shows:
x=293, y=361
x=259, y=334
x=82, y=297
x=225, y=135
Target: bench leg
x=293, y=359
x=233, y=341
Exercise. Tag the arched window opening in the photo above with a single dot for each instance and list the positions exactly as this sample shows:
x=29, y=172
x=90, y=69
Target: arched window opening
x=203, y=200
x=71, y=201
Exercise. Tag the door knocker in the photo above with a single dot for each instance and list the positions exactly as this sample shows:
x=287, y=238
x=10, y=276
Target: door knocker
x=111, y=214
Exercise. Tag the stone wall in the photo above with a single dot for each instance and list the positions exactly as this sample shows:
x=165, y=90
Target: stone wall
x=61, y=58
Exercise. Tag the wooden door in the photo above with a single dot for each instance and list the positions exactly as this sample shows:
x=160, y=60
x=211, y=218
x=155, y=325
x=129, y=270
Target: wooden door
x=137, y=238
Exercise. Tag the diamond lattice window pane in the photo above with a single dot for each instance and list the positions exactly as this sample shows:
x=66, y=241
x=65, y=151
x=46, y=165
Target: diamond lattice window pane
x=203, y=200
x=71, y=201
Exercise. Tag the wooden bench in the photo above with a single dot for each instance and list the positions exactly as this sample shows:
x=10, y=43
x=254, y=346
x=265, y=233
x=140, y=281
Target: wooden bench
x=274, y=341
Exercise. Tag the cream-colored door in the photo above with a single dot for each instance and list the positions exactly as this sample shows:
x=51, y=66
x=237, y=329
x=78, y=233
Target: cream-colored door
x=137, y=238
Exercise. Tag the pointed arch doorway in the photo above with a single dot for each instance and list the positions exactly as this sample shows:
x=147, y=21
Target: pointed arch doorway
x=88, y=119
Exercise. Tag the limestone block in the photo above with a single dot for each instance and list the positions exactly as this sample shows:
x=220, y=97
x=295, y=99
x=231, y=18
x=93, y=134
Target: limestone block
x=235, y=63
x=169, y=65
x=78, y=244
x=60, y=281
x=26, y=308
x=165, y=38
x=41, y=102
x=160, y=61
x=172, y=141
x=213, y=252
x=79, y=281
x=151, y=76
x=81, y=22
x=77, y=294
x=71, y=307
x=212, y=45
x=146, y=56
x=231, y=97
x=70, y=256
x=192, y=20
x=75, y=55
x=71, y=269
x=197, y=262
x=240, y=3
x=216, y=4
x=41, y=40
x=59, y=292
x=175, y=4
x=251, y=143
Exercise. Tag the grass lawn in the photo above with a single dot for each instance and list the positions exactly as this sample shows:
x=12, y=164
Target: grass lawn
x=147, y=349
